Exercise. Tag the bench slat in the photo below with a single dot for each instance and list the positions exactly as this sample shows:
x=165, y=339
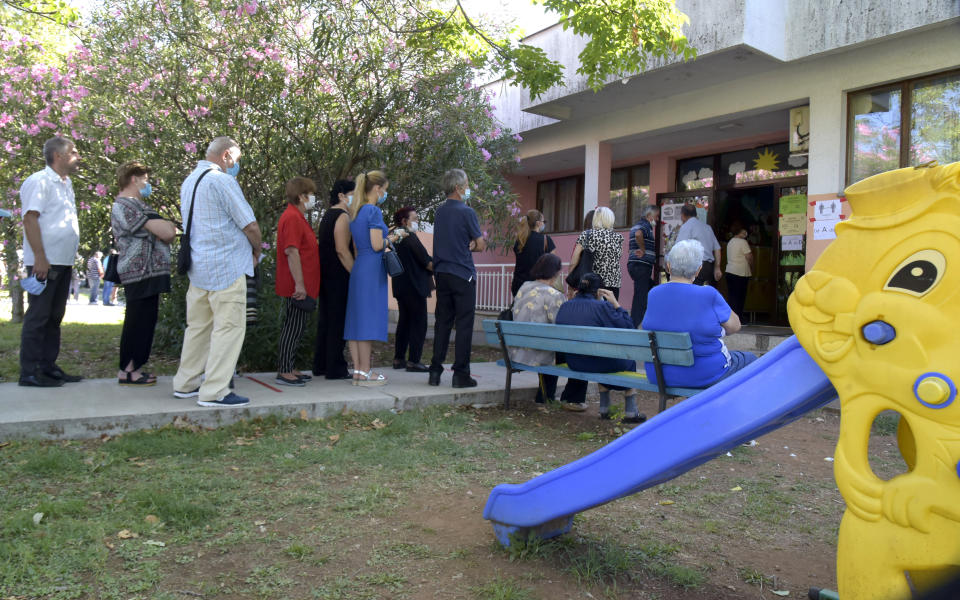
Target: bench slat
x=636, y=380
x=623, y=337
x=682, y=358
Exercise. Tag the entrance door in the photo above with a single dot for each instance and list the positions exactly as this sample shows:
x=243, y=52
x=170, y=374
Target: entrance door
x=670, y=204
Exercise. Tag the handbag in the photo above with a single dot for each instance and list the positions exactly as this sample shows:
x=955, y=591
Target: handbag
x=392, y=262
x=184, y=260
x=506, y=314
x=584, y=266
x=111, y=273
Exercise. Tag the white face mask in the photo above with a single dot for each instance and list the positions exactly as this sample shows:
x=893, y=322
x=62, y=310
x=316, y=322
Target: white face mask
x=349, y=199
x=311, y=202
x=414, y=226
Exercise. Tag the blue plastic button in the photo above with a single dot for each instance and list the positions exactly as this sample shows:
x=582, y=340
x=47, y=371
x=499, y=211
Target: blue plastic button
x=879, y=332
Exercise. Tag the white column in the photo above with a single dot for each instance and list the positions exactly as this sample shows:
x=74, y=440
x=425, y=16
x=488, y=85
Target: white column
x=596, y=175
x=828, y=142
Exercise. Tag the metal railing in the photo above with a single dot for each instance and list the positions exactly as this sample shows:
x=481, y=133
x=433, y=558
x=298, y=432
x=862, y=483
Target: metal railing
x=493, y=286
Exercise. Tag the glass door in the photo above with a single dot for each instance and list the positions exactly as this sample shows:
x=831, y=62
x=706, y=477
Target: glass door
x=669, y=225
x=792, y=200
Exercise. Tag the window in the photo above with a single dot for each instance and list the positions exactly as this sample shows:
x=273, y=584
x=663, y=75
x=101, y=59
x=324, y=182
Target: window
x=763, y=163
x=629, y=192
x=561, y=202
x=695, y=173
x=904, y=124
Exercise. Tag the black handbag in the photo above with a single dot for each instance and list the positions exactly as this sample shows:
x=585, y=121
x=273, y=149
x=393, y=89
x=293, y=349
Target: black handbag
x=111, y=273
x=584, y=266
x=184, y=260
x=392, y=262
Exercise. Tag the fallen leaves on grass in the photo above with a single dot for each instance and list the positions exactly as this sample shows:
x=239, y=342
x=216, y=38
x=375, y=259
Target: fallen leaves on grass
x=334, y=439
x=666, y=502
x=152, y=519
x=126, y=534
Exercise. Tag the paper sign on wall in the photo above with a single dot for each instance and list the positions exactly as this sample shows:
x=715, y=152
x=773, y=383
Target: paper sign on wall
x=791, y=242
x=827, y=209
x=793, y=204
x=793, y=224
x=823, y=229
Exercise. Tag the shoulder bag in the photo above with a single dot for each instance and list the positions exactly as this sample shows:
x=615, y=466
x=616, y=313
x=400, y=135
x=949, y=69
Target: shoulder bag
x=584, y=266
x=392, y=262
x=111, y=273
x=184, y=260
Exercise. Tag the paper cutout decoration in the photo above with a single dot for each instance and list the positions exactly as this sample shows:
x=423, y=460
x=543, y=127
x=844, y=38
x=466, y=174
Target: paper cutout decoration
x=791, y=242
x=823, y=229
x=793, y=224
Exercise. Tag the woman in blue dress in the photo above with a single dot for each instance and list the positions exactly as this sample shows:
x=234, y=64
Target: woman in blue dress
x=366, y=318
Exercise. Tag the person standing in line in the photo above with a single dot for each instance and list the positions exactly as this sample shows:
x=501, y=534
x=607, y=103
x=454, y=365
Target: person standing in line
x=367, y=311
x=531, y=244
x=75, y=276
x=109, y=292
x=739, y=270
x=695, y=229
x=336, y=261
x=298, y=275
x=643, y=257
x=94, y=276
x=606, y=245
x=411, y=289
x=456, y=234
x=143, y=240
x=224, y=248
x=51, y=236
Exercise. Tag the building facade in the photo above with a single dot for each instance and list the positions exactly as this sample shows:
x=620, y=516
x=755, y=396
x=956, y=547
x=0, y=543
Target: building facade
x=787, y=103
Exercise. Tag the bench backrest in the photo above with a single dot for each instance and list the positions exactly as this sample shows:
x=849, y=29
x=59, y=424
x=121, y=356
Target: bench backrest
x=633, y=344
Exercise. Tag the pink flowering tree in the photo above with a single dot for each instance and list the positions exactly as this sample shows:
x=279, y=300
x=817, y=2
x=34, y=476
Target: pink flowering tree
x=306, y=87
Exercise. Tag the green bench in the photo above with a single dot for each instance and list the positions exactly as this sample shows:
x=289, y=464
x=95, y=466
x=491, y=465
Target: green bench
x=659, y=347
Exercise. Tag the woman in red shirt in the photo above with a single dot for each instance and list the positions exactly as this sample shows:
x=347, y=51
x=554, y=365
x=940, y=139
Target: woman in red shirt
x=298, y=275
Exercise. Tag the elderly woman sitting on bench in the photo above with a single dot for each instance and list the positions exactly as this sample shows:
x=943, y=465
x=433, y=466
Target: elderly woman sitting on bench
x=596, y=307
x=680, y=305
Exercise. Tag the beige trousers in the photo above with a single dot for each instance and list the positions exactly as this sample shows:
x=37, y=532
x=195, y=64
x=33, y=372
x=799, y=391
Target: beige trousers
x=216, y=324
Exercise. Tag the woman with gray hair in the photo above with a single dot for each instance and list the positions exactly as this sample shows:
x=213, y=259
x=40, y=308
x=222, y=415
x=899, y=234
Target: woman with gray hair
x=699, y=310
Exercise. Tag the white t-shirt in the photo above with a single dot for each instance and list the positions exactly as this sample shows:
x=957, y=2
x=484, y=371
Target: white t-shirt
x=52, y=197
x=737, y=251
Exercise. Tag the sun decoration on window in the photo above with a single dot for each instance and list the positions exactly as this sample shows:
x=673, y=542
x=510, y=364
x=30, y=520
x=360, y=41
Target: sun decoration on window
x=766, y=161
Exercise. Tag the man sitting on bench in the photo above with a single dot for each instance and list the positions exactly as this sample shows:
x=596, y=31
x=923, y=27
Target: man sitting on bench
x=699, y=310
x=596, y=307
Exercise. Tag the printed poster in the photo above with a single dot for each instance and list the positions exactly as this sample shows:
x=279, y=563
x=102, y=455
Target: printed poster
x=793, y=204
x=823, y=229
x=827, y=209
x=791, y=242
x=793, y=224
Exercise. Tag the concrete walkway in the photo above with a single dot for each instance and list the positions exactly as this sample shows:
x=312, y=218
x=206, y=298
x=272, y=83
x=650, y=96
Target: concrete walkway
x=95, y=407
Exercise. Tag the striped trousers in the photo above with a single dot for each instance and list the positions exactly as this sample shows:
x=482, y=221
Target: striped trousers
x=294, y=322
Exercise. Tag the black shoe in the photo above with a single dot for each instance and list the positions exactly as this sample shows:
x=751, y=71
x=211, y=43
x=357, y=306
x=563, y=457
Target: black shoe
x=398, y=364
x=464, y=381
x=40, y=380
x=637, y=419
x=605, y=416
x=434, y=378
x=305, y=378
x=57, y=373
x=413, y=367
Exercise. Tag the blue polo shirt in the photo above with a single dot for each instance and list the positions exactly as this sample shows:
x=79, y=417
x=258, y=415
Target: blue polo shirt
x=455, y=225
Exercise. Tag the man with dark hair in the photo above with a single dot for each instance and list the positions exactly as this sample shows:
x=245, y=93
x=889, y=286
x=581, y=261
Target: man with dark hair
x=695, y=229
x=456, y=234
x=51, y=235
x=642, y=260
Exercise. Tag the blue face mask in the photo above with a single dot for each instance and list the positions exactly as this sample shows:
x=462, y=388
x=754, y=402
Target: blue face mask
x=382, y=199
x=146, y=190
x=232, y=171
x=466, y=194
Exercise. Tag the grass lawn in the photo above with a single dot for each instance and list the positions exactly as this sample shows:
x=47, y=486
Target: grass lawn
x=390, y=506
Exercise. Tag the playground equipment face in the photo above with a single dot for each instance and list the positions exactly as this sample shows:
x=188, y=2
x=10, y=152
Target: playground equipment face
x=880, y=314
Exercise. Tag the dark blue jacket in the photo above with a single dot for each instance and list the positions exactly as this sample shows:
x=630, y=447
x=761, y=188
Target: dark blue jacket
x=583, y=310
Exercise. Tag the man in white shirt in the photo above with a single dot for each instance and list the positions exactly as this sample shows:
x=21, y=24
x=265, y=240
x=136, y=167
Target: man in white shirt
x=225, y=247
x=51, y=235
x=695, y=229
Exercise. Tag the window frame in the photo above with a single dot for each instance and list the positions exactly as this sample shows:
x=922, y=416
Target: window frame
x=906, y=87
x=629, y=169
x=578, y=220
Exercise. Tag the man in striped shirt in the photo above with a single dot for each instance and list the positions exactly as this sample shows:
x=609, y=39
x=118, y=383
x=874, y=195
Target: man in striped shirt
x=643, y=258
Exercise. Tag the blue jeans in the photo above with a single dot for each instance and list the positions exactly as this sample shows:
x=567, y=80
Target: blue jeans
x=94, y=289
x=107, y=290
x=738, y=360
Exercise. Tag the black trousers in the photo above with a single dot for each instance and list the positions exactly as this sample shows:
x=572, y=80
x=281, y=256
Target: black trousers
x=411, y=327
x=456, y=304
x=328, y=348
x=294, y=322
x=640, y=274
x=737, y=290
x=139, y=323
x=40, y=335
x=705, y=276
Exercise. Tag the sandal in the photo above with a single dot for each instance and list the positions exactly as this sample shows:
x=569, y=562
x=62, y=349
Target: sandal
x=143, y=380
x=366, y=379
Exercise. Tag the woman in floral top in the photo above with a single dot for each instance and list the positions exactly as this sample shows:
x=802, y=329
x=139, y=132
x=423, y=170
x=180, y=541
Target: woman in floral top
x=538, y=301
x=606, y=245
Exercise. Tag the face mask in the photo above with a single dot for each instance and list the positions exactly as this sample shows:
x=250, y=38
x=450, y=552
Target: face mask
x=382, y=199
x=33, y=286
x=413, y=226
x=466, y=194
x=311, y=202
x=542, y=227
x=146, y=190
x=232, y=171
